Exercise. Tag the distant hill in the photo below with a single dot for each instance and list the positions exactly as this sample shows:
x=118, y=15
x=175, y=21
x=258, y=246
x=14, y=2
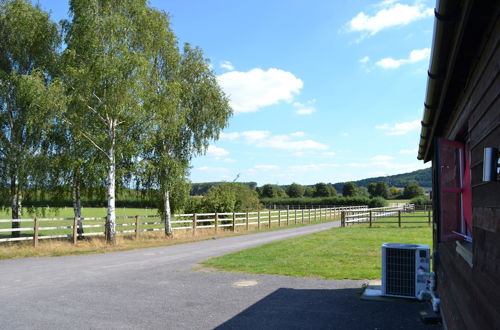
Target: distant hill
x=422, y=177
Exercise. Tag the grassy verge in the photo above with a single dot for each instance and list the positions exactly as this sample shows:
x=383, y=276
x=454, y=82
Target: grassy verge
x=55, y=247
x=341, y=253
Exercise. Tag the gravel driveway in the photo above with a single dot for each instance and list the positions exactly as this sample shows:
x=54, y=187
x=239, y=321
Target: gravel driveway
x=157, y=288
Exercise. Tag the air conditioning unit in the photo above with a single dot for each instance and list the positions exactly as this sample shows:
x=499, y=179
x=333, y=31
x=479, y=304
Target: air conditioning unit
x=405, y=269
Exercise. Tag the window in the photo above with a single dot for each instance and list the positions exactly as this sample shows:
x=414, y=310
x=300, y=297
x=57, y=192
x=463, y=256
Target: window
x=455, y=202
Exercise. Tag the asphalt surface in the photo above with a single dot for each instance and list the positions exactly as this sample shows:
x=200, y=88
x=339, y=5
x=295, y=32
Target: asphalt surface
x=160, y=288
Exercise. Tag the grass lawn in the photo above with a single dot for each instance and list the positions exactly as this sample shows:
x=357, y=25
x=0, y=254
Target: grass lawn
x=352, y=252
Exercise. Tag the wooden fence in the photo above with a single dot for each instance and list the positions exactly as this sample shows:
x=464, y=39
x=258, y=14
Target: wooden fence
x=386, y=215
x=53, y=228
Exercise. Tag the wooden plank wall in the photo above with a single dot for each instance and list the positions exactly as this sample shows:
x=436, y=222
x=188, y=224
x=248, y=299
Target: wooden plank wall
x=471, y=295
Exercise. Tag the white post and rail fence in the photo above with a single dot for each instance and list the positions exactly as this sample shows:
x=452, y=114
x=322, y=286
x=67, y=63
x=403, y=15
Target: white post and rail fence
x=398, y=214
x=37, y=229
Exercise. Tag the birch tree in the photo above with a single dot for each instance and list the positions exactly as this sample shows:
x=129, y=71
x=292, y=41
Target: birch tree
x=190, y=111
x=107, y=56
x=28, y=95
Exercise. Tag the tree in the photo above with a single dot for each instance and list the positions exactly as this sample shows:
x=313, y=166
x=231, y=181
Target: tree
x=295, y=190
x=323, y=190
x=187, y=107
x=268, y=191
x=372, y=189
x=220, y=198
x=382, y=190
x=350, y=189
x=108, y=59
x=230, y=197
x=395, y=192
x=412, y=190
x=309, y=192
x=28, y=96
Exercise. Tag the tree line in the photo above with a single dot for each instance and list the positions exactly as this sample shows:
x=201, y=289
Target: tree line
x=103, y=100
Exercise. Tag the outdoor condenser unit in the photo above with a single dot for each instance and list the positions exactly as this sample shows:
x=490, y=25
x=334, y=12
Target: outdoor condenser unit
x=405, y=269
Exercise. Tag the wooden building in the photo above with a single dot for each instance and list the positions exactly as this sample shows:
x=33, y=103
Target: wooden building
x=461, y=136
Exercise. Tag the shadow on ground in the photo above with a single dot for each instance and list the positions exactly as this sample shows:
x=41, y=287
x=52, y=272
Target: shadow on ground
x=327, y=309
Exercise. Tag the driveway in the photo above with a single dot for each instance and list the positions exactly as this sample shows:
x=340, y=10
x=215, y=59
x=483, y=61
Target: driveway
x=158, y=289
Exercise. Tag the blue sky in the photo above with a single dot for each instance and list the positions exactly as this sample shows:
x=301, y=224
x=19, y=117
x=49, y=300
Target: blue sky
x=323, y=91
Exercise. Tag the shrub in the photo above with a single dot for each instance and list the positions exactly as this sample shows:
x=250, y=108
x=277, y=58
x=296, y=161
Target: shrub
x=421, y=200
x=377, y=202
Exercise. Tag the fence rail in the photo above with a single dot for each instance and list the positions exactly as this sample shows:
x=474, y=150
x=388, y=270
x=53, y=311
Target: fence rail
x=387, y=215
x=49, y=228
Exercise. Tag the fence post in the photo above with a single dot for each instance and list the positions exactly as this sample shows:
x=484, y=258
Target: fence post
x=137, y=227
x=429, y=217
x=216, y=221
x=75, y=227
x=342, y=219
x=234, y=222
x=279, y=218
x=247, y=220
x=315, y=211
x=302, y=215
x=258, y=219
x=287, y=216
x=295, y=217
x=195, y=217
x=370, y=219
x=269, y=219
x=35, y=234
x=399, y=218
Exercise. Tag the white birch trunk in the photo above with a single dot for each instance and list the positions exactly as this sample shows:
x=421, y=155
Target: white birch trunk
x=167, y=216
x=16, y=206
x=111, y=218
x=77, y=204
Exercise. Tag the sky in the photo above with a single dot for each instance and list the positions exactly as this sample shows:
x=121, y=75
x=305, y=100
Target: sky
x=322, y=91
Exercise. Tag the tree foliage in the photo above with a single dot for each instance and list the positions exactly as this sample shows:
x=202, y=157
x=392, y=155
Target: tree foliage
x=412, y=190
x=350, y=189
x=295, y=190
x=28, y=97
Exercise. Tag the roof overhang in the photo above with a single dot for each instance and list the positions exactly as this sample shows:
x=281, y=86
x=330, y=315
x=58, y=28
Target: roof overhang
x=459, y=32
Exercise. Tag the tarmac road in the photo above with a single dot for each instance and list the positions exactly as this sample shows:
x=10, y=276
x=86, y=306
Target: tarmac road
x=157, y=288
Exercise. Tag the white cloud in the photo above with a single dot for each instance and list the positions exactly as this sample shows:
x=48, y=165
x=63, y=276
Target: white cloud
x=266, y=167
x=229, y=136
x=304, y=109
x=399, y=128
x=408, y=151
x=381, y=158
x=298, y=153
x=228, y=160
x=329, y=153
x=298, y=134
x=416, y=55
x=249, y=91
x=311, y=167
x=214, y=151
x=389, y=15
x=345, y=134
x=211, y=169
x=227, y=65
x=365, y=59
x=264, y=139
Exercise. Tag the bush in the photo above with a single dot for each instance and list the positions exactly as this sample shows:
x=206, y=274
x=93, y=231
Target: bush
x=309, y=201
x=377, y=202
x=421, y=200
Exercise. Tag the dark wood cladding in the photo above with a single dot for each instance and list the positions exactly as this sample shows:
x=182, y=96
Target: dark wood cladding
x=471, y=295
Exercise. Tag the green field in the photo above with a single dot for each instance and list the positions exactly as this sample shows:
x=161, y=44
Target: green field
x=67, y=212
x=342, y=253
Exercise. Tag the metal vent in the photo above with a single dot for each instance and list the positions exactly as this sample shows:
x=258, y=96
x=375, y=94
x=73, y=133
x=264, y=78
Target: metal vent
x=400, y=272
